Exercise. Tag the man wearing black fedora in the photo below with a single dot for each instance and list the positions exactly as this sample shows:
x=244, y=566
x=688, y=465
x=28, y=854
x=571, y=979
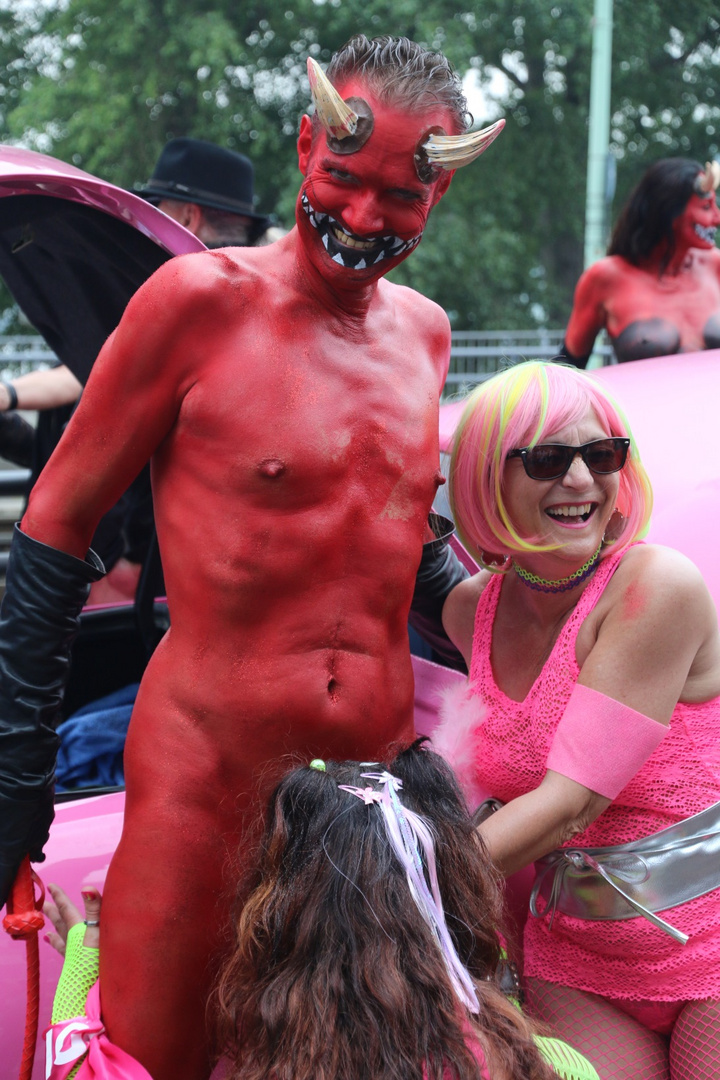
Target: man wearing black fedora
x=209, y=190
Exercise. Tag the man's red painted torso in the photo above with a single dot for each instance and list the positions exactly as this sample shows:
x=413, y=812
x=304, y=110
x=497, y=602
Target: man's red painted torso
x=295, y=483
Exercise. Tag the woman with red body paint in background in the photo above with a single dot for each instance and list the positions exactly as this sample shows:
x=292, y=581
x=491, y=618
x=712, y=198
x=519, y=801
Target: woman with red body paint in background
x=658, y=289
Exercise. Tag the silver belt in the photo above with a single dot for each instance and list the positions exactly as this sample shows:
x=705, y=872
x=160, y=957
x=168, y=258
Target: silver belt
x=627, y=881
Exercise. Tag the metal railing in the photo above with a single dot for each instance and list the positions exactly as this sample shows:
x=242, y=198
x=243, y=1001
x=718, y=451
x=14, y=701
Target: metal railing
x=20, y=353
x=473, y=352
x=476, y=354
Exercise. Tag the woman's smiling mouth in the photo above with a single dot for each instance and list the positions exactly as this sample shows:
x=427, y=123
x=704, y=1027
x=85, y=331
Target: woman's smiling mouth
x=572, y=513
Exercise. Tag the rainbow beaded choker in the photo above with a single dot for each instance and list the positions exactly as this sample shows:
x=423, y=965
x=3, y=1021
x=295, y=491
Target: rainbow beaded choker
x=559, y=584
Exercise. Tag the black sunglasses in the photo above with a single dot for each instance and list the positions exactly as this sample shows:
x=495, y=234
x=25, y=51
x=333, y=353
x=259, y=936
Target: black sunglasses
x=550, y=461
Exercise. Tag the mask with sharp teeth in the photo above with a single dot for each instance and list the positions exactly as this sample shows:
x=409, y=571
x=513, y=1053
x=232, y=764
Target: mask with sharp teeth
x=355, y=252
x=706, y=233
x=348, y=125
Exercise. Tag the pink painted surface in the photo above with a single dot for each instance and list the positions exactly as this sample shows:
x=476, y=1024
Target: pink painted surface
x=23, y=172
x=672, y=405
x=82, y=840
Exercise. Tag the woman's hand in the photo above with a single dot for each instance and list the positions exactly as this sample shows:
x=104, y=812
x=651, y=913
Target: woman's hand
x=536, y=823
x=63, y=914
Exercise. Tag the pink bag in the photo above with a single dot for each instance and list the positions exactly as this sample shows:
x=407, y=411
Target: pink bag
x=67, y=1042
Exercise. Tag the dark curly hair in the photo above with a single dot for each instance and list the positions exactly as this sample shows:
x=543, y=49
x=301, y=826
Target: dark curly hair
x=334, y=974
x=646, y=220
x=402, y=73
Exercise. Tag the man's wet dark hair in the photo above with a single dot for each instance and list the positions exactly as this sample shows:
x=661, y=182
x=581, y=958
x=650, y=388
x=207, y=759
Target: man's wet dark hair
x=647, y=218
x=403, y=74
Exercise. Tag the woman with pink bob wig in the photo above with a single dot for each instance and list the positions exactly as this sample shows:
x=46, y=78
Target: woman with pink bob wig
x=520, y=407
x=591, y=718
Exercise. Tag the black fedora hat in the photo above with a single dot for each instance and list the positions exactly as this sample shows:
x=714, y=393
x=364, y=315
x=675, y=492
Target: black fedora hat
x=192, y=170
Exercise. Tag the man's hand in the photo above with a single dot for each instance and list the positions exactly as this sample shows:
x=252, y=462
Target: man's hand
x=24, y=826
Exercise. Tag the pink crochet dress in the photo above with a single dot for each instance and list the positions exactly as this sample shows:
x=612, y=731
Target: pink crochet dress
x=630, y=958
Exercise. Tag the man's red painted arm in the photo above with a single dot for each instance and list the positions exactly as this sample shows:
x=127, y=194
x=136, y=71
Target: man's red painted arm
x=131, y=401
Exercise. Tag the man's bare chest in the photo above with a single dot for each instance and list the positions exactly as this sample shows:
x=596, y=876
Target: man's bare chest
x=292, y=424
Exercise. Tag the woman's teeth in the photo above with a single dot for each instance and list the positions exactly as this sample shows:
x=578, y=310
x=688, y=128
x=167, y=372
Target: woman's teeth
x=582, y=510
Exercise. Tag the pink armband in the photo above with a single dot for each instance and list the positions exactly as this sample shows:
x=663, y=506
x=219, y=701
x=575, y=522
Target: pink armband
x=601, y=743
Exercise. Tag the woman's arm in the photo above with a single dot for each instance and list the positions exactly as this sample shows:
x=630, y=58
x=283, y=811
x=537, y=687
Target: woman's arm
x=588, y=314
x=81, y=950
x=534, y=824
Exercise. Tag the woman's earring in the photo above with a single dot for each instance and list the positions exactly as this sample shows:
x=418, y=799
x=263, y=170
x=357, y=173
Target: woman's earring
x=494, y=564
x=615, y=528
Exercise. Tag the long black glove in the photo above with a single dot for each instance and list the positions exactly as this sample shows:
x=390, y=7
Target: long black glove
x=440, y=571
x=565, y=355
x=44, y=595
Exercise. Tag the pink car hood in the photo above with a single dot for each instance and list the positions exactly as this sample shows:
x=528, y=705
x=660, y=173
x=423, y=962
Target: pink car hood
x=24, y=172
x=74, y=249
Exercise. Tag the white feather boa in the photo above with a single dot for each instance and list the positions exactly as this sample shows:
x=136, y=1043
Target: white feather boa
x=461, y=713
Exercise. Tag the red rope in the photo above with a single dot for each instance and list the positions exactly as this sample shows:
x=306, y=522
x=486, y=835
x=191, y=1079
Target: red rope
x=23, y=921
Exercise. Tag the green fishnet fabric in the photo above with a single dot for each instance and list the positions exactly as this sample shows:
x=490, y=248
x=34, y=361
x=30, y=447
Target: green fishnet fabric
x=560, y=1056
x=80, y=971
x=565, y=1060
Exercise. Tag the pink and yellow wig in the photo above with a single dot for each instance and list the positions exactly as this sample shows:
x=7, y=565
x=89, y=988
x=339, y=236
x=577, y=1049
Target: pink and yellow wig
x=522, y=406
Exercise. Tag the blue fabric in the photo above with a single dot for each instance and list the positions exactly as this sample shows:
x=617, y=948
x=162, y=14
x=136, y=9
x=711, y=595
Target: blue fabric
x=92, y=742
x=419, y=647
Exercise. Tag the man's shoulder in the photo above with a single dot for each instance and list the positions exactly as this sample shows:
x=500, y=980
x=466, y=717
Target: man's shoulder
x=417, y=306
x=203, y=269
x=200, y=277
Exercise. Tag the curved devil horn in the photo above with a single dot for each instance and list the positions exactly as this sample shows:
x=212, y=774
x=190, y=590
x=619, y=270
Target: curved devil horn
x=708, y=181
x=338, y=119
x=453, y=151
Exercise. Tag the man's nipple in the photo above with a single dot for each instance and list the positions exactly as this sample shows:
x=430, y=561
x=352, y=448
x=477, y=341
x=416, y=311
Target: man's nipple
x=272, y=467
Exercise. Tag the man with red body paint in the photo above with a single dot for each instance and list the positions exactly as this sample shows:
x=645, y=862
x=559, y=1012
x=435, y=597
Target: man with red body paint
x=288, y=397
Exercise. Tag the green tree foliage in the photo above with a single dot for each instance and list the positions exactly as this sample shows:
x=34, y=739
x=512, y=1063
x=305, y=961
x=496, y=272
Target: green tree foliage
x=104, y=83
